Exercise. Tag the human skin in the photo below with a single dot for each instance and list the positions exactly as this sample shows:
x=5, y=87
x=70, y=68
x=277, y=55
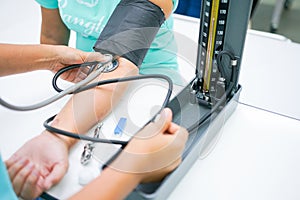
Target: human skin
x=20, y=58
x=83, y=111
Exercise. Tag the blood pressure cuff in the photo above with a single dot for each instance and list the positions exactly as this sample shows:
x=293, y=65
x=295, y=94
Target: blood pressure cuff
x=130, y=30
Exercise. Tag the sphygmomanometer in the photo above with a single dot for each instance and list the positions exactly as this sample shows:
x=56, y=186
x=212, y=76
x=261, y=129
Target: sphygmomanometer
x=223, y=26
x=129, y=33
x=131, y=30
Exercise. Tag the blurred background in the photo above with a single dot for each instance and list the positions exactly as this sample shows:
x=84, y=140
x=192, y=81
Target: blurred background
x=276, y=16
x=23, y=18
x=289, y=23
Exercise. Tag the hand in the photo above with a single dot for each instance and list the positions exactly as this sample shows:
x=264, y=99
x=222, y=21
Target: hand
x=68, y=56
x=155, y=151
x=37, y=165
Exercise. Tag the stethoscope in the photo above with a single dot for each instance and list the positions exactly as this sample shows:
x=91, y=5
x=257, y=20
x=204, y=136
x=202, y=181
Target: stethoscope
x=95, y=69
x=98, y=67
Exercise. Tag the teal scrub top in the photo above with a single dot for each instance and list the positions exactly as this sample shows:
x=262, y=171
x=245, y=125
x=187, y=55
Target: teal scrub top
x=6, y=190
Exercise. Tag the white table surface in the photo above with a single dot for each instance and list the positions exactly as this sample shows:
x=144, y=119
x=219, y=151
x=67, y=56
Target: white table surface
x=257, y=156
x=270, y=74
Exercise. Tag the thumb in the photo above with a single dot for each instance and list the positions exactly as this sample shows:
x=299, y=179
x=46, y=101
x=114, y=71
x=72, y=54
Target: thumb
x=95, y=56
x=160, y=125
x=55, y=176
x=164, y=119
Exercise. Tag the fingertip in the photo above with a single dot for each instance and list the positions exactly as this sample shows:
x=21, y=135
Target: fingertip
x=41, y=182
x=168, y=112
x=55, y=176
x=160, y=116
x=46, y=185
x=96, y=56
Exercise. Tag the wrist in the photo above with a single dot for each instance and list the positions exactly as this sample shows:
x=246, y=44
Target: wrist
x=43, y=56
x=53, y=57
x=130, y=163
x=128, y=180
x=67, y=141
x=133, y=178
x=113, y=184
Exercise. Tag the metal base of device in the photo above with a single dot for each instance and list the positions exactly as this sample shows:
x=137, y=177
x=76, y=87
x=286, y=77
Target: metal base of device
x=200, y=141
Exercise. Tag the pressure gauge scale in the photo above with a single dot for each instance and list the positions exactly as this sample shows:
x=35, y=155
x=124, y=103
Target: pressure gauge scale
x=211, y=40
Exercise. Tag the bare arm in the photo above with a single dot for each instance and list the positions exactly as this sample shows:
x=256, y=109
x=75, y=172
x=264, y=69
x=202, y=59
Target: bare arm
x=16, y=58
x=165, y=5
x=53, y=30
x=84, y=110
x=111, y=184
x=89, y=107
x=81, y=112
x=149, y=157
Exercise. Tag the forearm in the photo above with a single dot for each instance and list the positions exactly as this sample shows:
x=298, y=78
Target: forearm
x=53, y=30
x=111, y=184
x=87, y=108
x=24, y=58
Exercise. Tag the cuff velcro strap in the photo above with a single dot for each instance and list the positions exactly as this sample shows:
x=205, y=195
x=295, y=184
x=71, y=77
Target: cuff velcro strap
x=130, y=30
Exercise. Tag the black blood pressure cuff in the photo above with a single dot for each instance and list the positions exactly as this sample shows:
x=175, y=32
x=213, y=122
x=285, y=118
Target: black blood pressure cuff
x=130, y=30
